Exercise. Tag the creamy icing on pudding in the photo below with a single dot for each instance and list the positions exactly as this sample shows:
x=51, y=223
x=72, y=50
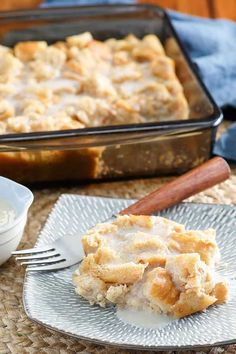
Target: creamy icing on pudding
x=152, y=264
x=7, y=213
x=82, y=82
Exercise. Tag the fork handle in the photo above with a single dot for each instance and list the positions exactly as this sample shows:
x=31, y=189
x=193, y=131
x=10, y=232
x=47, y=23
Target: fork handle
x=196, y=180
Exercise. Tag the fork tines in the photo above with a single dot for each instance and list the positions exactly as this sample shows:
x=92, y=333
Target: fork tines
x=43, y=258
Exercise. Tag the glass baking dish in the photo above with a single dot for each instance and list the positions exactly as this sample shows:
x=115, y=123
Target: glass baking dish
x=109, y=152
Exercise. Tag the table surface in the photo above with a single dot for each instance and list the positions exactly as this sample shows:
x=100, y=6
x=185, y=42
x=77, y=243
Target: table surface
x=206, y=8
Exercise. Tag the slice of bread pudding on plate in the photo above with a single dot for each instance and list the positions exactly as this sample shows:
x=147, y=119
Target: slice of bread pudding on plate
x=150, y=263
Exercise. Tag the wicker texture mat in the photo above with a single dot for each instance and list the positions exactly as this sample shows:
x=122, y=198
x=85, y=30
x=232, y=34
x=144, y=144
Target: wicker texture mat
x=19, y=335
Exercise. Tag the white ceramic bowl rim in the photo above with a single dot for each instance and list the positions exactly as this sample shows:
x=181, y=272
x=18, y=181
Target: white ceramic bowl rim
x=18, y=196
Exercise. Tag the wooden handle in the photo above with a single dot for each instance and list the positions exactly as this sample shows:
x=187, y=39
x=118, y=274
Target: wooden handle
x=198, y=179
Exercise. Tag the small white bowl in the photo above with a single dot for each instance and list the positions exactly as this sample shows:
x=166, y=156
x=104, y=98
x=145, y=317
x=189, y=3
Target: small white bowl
x=19, y=198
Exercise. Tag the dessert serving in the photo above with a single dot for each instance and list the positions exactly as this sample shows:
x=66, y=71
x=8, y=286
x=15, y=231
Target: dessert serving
x=82, y=82
x=150, y=263
x=79, y=83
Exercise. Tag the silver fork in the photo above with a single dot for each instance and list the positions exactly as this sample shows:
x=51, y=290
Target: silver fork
x=64, y=252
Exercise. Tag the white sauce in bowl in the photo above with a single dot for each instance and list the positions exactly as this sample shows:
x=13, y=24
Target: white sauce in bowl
x=7, y=213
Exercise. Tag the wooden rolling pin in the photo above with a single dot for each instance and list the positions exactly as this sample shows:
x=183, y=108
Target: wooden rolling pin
x=198, y=179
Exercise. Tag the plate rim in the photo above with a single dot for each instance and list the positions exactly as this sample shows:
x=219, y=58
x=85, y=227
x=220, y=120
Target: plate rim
x=104, y=342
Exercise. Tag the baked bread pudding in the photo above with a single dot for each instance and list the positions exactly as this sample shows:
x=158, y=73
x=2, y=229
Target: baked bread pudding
x=82, y=82
x=150, y=263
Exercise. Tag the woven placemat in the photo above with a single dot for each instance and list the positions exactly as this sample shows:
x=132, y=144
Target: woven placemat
x=18, y=334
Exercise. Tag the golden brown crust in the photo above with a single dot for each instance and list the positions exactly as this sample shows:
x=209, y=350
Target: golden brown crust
x=184, y=287
x=191, y=302
x=152, y=260
x=220, y=292
x=27, y=51
x=80, y=40
x=201, y=242
x=125, y=273
x=160, y=289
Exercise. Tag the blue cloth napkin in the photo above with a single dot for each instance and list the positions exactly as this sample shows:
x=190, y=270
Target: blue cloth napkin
x=226, y=145
x=212, y=46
